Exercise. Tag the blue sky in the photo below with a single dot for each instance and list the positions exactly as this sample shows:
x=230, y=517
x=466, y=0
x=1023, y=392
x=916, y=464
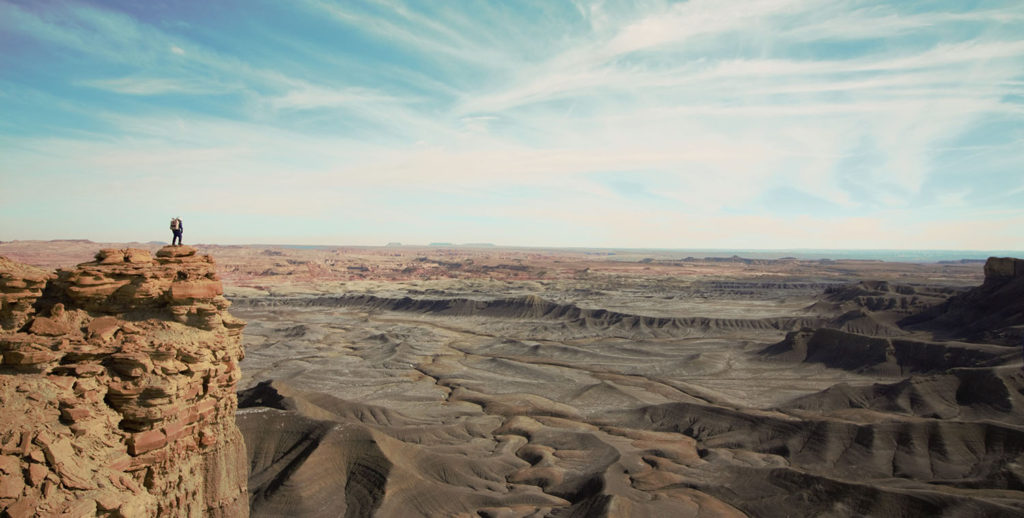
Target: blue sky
x=706, y=123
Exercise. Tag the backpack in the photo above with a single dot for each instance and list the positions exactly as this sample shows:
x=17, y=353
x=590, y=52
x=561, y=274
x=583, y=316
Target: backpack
x=175, y=224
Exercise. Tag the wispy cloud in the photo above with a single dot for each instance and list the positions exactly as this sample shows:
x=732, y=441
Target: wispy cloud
x=708, y=109
x=151, y=86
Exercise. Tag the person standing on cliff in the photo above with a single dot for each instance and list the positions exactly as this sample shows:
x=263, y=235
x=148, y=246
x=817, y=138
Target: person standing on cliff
x=176, y=228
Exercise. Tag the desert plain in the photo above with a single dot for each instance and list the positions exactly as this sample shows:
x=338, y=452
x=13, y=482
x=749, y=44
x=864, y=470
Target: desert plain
x=489, y=381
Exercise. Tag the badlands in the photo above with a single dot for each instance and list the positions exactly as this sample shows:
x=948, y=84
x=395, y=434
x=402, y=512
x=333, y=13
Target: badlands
x=455, y=381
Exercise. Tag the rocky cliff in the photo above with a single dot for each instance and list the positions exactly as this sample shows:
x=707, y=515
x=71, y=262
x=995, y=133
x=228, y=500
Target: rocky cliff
x=990, y=313
x=117, y=389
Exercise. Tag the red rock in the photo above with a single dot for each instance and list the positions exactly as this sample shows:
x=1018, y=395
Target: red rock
x=37, y=456
x=110, y=256
x=146, y=441
x=64, y=382
x=10, y=446
x=195, y=356
x=47, y=326
x=10, y=465
x=173, y=431
x=62, y=458
x=26, y=440
x=12, y=284
x=80, y=508
x=124, y=388
x=12, y=483
x=75, y=414
x=126, y=482
x=192, y=390
x=85, y=370
x=104, y=327
x=121, y=463
x=36, y=474
x=108, y=501
x=206, y=407
x=190, y=416
x=187, y=291
x=25, y=506
x=96, y=293
x=128, y=377
x=131, y=365
x=176, y=251
x=137, y=256
x=150, y=458
x=29, y=357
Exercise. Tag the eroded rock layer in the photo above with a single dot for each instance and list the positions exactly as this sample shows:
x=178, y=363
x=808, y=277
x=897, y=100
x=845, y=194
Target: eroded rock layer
x=118, y=389
x=627, y=395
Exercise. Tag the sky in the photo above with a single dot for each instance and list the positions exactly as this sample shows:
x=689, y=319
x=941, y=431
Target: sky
x=773, y=124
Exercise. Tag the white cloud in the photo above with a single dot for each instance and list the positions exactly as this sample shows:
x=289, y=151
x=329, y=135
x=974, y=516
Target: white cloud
x=151, y=86
x=710, y=105
x=306, y=96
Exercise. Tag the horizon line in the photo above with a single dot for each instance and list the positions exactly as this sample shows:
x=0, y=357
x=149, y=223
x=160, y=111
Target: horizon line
x=446, y=244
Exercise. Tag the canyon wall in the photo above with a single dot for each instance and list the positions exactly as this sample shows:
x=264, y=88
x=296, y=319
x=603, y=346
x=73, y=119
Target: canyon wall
x=117, y=389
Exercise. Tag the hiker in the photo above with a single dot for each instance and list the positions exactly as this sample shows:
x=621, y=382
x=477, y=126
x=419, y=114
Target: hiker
x=176, y=229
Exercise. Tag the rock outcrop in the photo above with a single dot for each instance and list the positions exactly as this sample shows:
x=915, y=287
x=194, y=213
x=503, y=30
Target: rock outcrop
x=883, y=355
x=117, y=385
x=1002, y=269
x=990, y=313
x=20, y=286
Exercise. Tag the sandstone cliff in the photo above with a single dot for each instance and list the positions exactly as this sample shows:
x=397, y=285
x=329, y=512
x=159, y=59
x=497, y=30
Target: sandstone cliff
x=117, y=389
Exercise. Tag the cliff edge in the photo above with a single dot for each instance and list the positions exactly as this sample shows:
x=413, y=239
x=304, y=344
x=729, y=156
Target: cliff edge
x=117, y=389
x=990, y=313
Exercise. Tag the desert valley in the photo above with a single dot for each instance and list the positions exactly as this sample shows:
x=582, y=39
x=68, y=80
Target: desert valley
x=490, y=381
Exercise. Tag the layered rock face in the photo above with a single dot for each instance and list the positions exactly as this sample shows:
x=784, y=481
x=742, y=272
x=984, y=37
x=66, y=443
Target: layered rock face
x=991, y=313
x=117, y=388
x=1003, y=268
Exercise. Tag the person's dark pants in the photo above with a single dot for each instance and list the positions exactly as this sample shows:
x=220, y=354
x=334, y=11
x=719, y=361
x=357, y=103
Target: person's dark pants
x=177, y=235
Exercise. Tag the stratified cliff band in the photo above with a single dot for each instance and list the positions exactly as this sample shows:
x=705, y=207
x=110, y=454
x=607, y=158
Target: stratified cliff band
x=118, y=389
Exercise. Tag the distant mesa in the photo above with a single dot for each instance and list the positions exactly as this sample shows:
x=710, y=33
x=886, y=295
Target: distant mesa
x=393, y=243
x=464, y=245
